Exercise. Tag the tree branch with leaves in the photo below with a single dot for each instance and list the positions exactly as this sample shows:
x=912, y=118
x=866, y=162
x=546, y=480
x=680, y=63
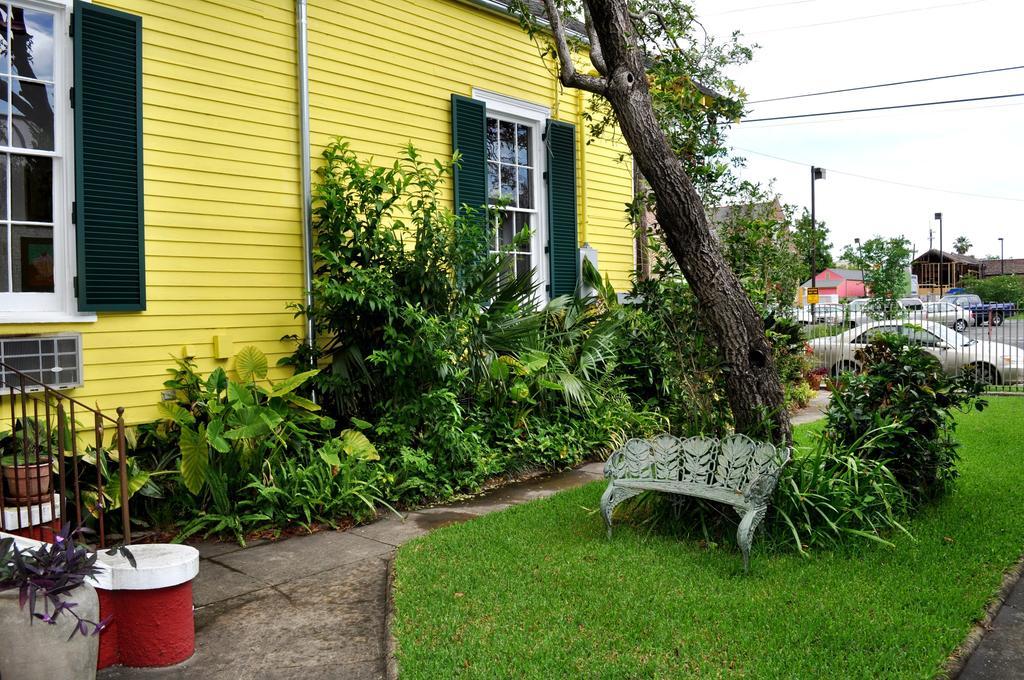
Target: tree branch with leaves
x=660, y=81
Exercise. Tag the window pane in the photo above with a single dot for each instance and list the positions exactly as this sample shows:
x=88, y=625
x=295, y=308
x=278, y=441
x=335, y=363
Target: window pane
x=4, y=269
x=493, y=192
x=32, y=258
x=523, y=145
x=508, y=142
x=31, y=188
x=492, y=139
x=523, y=223
x=508, y=183
x=32, y=44
x=525, y=189
x=523, y=265
x=4, y=109
x=3, y=187
x=508, y=229
x=32, y=115
x=4, y=21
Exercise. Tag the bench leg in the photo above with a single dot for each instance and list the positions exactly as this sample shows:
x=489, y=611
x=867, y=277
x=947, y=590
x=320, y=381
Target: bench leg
x=614, y=495
x=745, y=534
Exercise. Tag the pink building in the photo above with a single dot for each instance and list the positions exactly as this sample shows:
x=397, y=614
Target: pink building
x=836, y=284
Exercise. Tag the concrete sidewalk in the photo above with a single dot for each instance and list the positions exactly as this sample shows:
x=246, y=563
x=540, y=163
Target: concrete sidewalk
x=316, y=606
x=1000, y=655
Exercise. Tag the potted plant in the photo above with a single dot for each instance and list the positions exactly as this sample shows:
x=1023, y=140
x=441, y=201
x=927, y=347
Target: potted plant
x=25, y=463
x=57, y=637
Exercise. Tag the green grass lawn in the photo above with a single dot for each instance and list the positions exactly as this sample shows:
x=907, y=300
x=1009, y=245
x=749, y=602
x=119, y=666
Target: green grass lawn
x=537, y=592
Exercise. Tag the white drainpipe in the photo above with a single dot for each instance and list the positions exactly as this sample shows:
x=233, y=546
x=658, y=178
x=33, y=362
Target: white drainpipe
x=302, y=50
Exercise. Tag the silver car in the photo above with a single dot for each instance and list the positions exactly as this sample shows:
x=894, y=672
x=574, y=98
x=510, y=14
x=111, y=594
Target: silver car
x=993, y=362
x=945, y=313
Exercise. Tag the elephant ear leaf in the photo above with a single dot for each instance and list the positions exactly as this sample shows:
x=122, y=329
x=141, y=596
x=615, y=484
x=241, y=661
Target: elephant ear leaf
x=250, y=364
x=292, y=383
x=215, y=436
x=195, y=458
x=174, y=412
x=355, y=444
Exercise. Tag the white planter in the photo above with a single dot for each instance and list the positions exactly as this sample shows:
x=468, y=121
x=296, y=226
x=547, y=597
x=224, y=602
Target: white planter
x=40, y=651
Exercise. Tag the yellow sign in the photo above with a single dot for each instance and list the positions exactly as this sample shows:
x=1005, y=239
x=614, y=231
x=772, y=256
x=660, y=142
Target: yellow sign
x=812, y=296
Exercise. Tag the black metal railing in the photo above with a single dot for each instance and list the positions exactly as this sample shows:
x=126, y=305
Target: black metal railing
x=52, y=461
x=987, y=341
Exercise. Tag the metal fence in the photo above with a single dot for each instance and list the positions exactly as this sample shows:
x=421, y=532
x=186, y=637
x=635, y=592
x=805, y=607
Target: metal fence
x=56, y=467
x=988, y=342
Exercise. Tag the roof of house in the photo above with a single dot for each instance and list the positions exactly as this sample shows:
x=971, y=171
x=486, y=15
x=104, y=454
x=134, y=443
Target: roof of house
x=997, y=267
x=933, y=255
x=845, y=274
x=537, y=7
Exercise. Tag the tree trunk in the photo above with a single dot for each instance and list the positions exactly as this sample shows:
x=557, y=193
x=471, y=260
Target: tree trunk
x=754, y=390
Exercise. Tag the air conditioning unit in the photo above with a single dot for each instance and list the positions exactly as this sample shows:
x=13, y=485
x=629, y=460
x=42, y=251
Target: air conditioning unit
x=53, y=360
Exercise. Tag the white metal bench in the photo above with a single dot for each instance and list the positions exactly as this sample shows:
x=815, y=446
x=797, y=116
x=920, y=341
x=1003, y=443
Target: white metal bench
x=735, y=470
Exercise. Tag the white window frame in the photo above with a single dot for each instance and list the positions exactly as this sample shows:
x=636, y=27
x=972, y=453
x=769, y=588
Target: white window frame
x=535, y=116
x=61, y=305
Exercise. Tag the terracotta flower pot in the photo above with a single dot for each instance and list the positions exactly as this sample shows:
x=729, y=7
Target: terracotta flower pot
x=27, y=483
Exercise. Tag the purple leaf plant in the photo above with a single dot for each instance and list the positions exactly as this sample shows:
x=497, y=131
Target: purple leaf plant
x=47, y=575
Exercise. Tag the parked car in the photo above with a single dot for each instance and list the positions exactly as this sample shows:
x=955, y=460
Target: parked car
x=829, y=313
x=982, y=311
x=945, y=313
x=912, y=304
x=993, y=362
x=858, y=313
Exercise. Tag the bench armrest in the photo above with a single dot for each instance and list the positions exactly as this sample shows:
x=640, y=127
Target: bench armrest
x=612, y=465
x=760, y=488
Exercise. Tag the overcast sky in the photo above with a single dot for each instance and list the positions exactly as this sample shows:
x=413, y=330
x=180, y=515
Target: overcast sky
x=977, y=148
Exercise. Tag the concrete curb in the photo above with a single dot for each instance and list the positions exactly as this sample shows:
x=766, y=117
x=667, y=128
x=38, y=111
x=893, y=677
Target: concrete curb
x=958, y=659
x=390, y=643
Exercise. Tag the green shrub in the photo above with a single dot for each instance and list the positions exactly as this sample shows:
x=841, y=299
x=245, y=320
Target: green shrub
x=903, y=393
x=1007, y=288
x=423, y=332
x=830, y=493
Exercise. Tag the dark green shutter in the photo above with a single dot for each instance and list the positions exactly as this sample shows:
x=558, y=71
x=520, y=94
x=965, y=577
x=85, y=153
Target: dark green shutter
x=469, y=138
x=108, y=159
x=563, y=242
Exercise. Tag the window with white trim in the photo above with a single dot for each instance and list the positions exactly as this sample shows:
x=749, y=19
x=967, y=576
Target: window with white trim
x=512, y=186
x=35, y=255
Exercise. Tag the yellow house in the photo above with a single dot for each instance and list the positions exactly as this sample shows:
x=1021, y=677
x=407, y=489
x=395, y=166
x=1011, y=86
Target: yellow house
x=155, y=157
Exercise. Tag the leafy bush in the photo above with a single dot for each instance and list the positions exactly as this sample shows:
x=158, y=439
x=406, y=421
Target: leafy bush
x=904, y=394
x=830, y=493
x=226, y=428
x=1006, y=288
x=251, y=454
x=425, y=333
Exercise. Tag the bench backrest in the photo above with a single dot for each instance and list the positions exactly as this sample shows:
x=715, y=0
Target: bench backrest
x=728, y=463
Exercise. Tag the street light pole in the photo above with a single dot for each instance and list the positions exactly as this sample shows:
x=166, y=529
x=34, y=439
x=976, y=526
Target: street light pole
x=860, y=256
x=938, y=216
x=1002, y=260
x=816, y=174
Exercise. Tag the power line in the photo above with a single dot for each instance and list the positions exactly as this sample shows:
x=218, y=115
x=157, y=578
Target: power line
x=757, y=7
x=866, y=16
x=878, y=108
x=857, y=119
x=887, y=181
x=892, y=84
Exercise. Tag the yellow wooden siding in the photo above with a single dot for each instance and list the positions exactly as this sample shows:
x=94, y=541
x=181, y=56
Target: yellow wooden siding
x=382, y=74
x=223, y=237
